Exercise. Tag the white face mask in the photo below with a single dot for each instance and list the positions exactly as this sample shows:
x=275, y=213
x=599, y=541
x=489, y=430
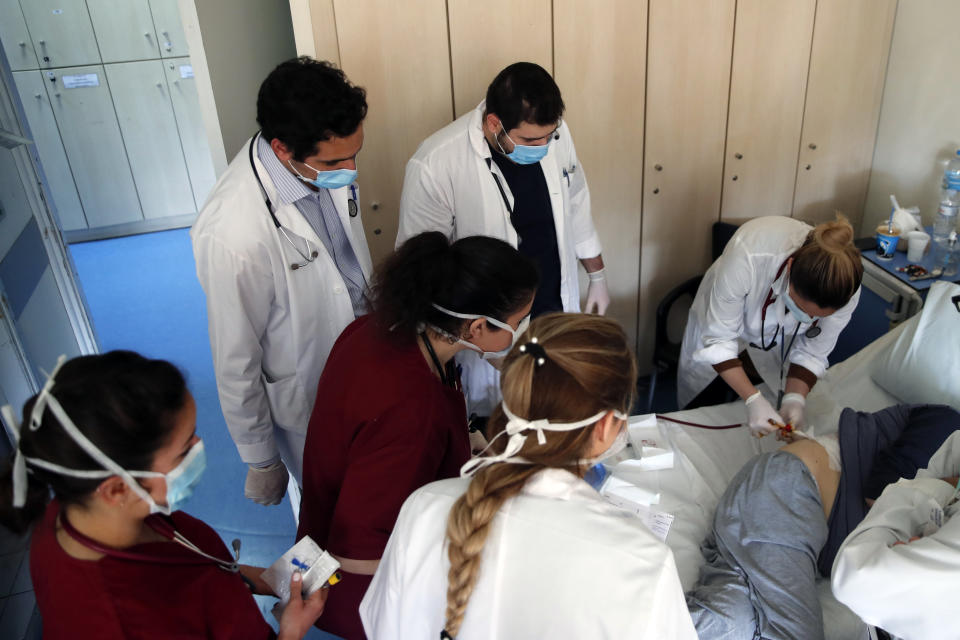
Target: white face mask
x=489, y=355
x=618, y=445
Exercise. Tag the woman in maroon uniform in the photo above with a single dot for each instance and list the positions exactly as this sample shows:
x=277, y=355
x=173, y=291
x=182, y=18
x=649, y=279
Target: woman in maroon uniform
x=389, y=415
x=114, y=438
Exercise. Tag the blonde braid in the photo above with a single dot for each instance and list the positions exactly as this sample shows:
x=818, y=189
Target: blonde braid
x=468, y=527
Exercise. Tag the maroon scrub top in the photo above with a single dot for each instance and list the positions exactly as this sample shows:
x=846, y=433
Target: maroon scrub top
x=116, y=598
x=383, y=426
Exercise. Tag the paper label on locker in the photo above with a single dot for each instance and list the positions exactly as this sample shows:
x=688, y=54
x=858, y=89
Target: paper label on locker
x=81, y=80
x=186, y=71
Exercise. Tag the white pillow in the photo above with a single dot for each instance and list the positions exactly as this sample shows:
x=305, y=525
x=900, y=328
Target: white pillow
x=923, y=365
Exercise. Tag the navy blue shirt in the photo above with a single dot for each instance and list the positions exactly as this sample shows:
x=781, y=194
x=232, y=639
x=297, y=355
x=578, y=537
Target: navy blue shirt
x=532, y=218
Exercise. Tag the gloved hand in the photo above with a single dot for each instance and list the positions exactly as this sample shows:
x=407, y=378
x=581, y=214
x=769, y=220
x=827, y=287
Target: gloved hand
x=266, y=485
x=759, y=413
x=793, y=410
x=598, y=298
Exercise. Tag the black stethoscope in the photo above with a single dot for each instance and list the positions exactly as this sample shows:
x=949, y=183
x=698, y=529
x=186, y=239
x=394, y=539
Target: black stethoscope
x=307, y=259
x=496, y=178
x=812, y=331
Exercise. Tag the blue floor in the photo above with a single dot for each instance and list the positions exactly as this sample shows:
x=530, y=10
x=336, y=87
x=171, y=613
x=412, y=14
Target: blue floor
x=143, y=294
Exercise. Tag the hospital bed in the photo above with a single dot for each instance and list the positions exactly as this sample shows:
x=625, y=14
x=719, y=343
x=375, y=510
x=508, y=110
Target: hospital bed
x=704, y=461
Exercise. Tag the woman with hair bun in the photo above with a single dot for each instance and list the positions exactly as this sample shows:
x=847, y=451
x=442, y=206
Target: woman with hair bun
x=776, y=300
x=390, y=416
x=521, y=546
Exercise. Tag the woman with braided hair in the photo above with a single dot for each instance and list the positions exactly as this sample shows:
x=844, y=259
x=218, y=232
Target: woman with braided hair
x=521, y=546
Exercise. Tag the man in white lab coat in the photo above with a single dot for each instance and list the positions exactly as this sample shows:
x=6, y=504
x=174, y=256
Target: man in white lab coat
x=899, y=568
x=509, y=169
x=282, y=258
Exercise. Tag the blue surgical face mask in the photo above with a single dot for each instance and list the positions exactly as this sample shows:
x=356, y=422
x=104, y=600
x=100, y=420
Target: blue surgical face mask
x=183, y=479
x=798, y=313
x=524, y=154
x=328, y=179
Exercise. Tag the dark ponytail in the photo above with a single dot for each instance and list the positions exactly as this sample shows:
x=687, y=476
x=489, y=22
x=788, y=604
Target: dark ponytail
x=124, y=403
x=476, y=275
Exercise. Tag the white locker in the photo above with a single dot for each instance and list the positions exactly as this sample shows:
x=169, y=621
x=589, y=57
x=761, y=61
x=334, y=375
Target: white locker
x=166, y=19
x=91, y=136
x=124, y=30
x=193, y=136
x=46, y=137
x=15, y=37
x=61, y=32
x=150, y=136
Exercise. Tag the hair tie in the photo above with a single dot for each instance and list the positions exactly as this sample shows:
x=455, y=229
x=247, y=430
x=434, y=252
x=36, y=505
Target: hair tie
x=533, y=348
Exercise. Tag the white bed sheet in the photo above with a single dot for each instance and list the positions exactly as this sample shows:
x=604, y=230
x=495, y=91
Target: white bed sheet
x=705, y=461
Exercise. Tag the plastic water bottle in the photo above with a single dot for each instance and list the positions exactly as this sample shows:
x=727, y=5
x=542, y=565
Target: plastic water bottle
x=946, y=220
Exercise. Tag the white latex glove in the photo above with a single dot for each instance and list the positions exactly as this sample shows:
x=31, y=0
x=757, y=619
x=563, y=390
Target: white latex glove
x=793, y=409
x=266, y=485
x=759, y=414
x=598, y=298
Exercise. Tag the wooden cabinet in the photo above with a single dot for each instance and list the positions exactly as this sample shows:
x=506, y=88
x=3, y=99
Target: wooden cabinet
x=851, y=42
x=169, y=29
x=98, y=160
x=124, y=30
x=193, y=137
x=407, y=102
x=688, y=79
x=15, y=38
x=46, y=137
x=61, y=32
x=142, y=102
x=609, y=132
x=487, y=36
x=771, y=51
x=684, y=112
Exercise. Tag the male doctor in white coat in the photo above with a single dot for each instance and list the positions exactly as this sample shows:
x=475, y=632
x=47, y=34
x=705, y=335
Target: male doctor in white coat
x=509, y=169
x=283, y=260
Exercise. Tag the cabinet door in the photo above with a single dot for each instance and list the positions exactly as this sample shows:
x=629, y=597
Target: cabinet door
x=91, y=136
x=689, y=49
x=15, y=38
x=169, y=28
x=193, y=136
x=46, y=137
x=398, y=51
x=124, y=29
x=771, y=52
x=487, y=36
x=848, y=62
x=150, y=136
x=61, y=32
x=608, y=132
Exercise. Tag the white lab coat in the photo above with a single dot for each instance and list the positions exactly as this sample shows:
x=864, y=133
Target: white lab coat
x=559, y=562
x=448, y=187
x=726, y=314
x=271, y=328
x=908, y=589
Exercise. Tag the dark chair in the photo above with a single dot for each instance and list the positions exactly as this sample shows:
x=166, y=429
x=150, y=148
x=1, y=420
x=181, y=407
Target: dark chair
x=666, y=354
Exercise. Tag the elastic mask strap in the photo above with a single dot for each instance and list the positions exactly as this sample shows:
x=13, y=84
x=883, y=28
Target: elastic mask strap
x=473, y=316
x=515, y=428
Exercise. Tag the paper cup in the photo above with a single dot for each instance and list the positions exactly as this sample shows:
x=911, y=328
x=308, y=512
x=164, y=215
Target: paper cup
x=887, y=241
x=917, y=243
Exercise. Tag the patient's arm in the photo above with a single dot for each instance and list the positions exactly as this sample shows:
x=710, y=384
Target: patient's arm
x=815, y=457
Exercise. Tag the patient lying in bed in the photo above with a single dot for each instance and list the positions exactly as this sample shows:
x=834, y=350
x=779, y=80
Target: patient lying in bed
x=784, y=516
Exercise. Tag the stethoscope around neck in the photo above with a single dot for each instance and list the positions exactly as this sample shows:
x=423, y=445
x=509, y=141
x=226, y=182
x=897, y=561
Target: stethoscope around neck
x=812, y=331
x=165, y=528
x=307, y=258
